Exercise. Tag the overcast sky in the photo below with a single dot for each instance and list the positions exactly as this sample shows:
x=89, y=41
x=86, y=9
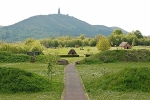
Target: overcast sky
x=127, y=14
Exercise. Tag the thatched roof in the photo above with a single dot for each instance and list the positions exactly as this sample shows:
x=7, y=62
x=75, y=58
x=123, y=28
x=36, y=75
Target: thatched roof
x=123, y=44
x=72, y=52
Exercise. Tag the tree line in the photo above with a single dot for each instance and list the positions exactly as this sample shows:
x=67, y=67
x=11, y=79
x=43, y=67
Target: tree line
x=134, y=38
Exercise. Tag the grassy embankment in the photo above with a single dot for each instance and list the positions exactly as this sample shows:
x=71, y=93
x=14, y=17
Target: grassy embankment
x=117, y=75
x=100, y=80
x=56, y=86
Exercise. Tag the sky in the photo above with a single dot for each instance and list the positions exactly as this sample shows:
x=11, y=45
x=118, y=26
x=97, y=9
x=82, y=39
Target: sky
x=126, y=14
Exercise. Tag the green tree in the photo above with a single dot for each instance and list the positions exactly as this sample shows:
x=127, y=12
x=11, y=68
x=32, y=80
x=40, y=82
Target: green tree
x=138, y=34
x=82, y=37
x=92, y=42
x=85, y=42
x=103, y=44
x=36, y=46
x=55, y=43
x=116, y=37
x=52, y=63
x=97, y=38
x=133, y=42
x=29, y=41
x=130, y=37
x=117, y=32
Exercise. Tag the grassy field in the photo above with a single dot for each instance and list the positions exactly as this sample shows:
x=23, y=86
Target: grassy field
x=95, y=71
x=64, y=51
x=41, y=69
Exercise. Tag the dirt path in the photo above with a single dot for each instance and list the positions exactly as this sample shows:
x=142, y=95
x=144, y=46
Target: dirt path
x=73, y=87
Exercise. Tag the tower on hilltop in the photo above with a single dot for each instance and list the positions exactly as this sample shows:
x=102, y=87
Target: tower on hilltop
x=58, y=10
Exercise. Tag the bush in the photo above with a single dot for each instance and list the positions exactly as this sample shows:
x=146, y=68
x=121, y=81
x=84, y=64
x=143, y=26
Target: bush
x=14, y=58
x=43, y=58
x=5, y=53
x=8, y=57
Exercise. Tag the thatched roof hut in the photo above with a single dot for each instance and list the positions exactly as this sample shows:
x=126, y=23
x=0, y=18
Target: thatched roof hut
x=125, y=45
x=72, y=52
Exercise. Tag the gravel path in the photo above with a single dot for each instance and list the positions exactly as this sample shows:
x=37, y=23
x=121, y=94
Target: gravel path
x=73, y=87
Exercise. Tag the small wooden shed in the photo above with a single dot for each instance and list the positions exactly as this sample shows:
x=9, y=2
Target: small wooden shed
x=125, y=45
x=72, y=52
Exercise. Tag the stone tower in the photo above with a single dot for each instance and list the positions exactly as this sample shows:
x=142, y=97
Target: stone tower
x=58, y=10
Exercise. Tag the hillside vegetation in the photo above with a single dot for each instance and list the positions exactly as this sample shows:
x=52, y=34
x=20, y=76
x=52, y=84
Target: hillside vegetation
x=53, y=25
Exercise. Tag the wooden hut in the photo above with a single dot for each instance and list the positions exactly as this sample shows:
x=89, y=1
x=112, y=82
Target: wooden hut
x=125, y=45
x=72, y=52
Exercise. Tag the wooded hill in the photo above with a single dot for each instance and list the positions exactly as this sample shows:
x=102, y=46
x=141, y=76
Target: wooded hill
x=53, y=25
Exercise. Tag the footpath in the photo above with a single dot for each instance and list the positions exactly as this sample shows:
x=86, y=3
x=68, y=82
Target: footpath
x=73, y=89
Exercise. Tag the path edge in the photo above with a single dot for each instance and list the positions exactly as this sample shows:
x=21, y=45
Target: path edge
x=62, y=95
x=85, y=93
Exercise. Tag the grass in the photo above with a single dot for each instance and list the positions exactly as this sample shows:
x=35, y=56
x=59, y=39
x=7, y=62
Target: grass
x=40, y=69
x=92, y=73
x=88, y=72
x=64, y=51
x=133, y=47
x=120, y=56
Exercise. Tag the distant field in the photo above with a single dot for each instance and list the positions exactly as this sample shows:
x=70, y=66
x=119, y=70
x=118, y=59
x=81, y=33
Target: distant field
x=92, y=50
x=134, y=47
x=40, y=69
x=64, y=51
x=95, y=71
x=141, y=47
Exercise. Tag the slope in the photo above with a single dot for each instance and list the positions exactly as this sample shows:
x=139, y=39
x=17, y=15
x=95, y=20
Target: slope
x=53, y=25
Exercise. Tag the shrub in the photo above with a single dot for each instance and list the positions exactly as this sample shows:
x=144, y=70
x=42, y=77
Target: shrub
x=43, y=58
x=18, y=58
x=103, y=44
x=5, y=53
x=7, y=56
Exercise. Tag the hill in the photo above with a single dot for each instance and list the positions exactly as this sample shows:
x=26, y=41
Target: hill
x=118, y=28
x=53, y=25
